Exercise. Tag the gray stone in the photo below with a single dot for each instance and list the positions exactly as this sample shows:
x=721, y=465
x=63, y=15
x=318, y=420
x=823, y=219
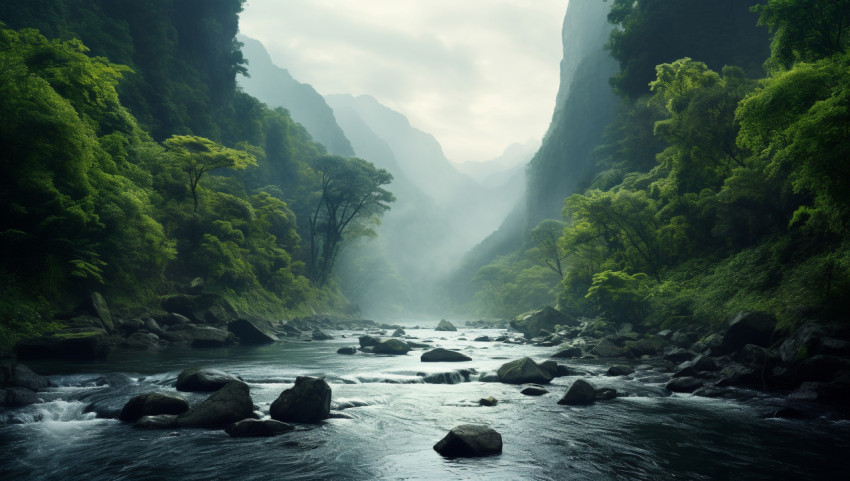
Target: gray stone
x=678, y=355
x=534, y=391
x=606, y=348
x=320, y=335
x=152, y=404
x=346, y=350
x=22, y=376
x=308, y=401
x=229, y=404
x=547, y=319
x=579, y=393
x=256, y=428
x=98, y=305
x=18, y=396
x=253, y=331
x=369, y=341
x=470, y=440
x=488, y=401
x=620, y=370
x=684, y=384
x=445, y=325
x=747, y=328
x=444, y=355
x=522, y=371
x=483, y=339
x=568, y=353
x=207, y=337
x=399, y=332
x=393, y=347
x=203, y=380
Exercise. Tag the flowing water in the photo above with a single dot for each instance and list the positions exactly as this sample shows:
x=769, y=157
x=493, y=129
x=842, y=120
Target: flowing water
x=648, y=434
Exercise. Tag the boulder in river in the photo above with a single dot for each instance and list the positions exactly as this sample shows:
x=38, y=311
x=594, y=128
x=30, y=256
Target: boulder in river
x=606, y=348
x=568, y=353
x=534, y=391
x=253, y=331
x=346, y=350
x=530, y=324
x=196, y=379
x=399, y=332
x=444, y=355
x=211, y=309
x=257, y=428
x=579, y=393
x=309, y=401
x=522, y=371
x=73, y=343
x=22, y=376
x=470, y=440
x=684, y=384
x=445, y=325
x=620, y=370
x=678, y=355
x=207, y=337
x=392, y=346
x=368, y=341
x=488, y=401
x=152, y=404
x=229, y=404
x=320, y=335
x=18, y=396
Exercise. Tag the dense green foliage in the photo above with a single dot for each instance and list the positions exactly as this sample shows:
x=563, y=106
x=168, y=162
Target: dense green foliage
x=716, y=192
x=203, y=181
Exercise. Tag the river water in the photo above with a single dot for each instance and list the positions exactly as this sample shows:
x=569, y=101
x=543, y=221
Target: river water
x=648, y=434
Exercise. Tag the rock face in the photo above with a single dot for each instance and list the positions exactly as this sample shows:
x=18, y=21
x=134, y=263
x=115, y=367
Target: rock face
x=99, y=307
x=75, y=343
x=392, y=346
x=444, y=355
x=25, y=377
x=253, y=331
x=747, y=328
x=226, y=406
x=256, y=428
x=320, y=335
x=196, y=379
x=151, y=405
x=445, y=325
x=309, y=401
x=18, y=396
x=470, y=440
x=522, y=371
x=543, y=319
x=580, y=393
x=206, y=337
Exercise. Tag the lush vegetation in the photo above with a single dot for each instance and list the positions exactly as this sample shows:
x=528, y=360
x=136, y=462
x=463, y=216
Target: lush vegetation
x=715, y=191
x=133, y=179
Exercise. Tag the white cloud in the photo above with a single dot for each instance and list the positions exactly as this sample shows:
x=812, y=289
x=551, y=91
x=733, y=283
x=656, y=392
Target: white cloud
x=478, y=74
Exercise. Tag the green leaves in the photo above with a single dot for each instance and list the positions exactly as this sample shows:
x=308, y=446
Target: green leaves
x=805, y=30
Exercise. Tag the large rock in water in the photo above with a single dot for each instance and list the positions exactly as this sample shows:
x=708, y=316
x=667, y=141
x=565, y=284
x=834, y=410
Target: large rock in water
x=226, y=406
x=392, y=346
x=97, y=305
x=208, y=337
x=25, y=377
x=445, y=325
x=546, y=319
x=256, y=428
x=253, y=331
x=18, y=396
x=522, y=371
x=204, y=308
x=469, y=440
x=196, y=379
x=580, y=393
x=309, y=401
x=81, y=343
x=747, y=328
x=152, y=404
x=368, y=341
x=444, y=355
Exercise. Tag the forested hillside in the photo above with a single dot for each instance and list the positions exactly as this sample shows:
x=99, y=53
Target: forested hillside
x=719, y=186
x=132, y=164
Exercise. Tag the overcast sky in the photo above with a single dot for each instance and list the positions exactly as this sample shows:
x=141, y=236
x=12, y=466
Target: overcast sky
x=478, y=74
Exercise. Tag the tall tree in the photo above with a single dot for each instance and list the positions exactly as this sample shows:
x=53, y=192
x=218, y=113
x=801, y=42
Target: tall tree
x=197, y=156
x=350, y=201
x=805, y=30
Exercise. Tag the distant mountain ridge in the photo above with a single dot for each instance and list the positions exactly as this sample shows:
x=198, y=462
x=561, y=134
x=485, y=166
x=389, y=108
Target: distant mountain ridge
x=275, y=87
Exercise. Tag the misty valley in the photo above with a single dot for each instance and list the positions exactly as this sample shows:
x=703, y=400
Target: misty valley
x=212, y=267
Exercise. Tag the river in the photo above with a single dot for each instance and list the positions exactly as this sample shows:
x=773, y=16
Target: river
x=648, y=434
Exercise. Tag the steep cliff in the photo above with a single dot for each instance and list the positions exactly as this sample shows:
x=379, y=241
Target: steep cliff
x=275, y=86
